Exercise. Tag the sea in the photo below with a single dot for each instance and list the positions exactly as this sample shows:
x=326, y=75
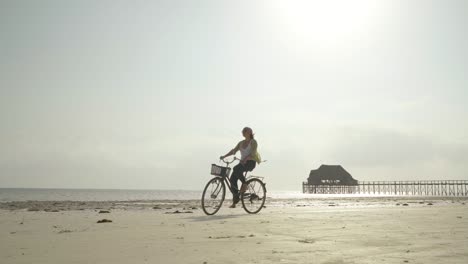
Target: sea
x=42, y=194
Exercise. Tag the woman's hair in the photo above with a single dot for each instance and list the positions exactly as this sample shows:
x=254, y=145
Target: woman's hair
x=250, y=131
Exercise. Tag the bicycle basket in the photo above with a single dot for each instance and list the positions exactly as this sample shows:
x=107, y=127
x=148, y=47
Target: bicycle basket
x=220, y=171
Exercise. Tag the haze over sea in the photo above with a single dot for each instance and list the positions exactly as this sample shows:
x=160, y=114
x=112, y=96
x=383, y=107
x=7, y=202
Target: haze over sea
x=43, y=194
x=39, y=194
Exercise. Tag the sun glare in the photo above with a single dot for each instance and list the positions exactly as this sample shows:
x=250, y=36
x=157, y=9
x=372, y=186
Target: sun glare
x=329, y=21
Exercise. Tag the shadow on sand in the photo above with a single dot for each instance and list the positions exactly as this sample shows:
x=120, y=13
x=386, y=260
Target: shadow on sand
x=206, y=218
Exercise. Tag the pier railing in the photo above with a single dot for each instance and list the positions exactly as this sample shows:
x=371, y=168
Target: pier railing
x=420, y=188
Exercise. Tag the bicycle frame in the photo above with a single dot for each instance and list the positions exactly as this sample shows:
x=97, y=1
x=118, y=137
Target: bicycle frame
x=227, y=177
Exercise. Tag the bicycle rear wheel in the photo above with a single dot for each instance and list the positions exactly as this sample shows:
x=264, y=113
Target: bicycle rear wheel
x=254, y=197
x=213, y=196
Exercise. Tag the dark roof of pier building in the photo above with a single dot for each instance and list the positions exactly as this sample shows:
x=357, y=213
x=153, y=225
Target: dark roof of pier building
x=331, y=174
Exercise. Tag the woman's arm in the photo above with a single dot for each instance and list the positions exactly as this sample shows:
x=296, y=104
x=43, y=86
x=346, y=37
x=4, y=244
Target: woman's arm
x=232, y=152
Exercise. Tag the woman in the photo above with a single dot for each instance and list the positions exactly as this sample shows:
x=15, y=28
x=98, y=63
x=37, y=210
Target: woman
x=249, y=158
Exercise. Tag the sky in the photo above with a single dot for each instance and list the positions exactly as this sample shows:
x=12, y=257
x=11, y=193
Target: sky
x=148, y=94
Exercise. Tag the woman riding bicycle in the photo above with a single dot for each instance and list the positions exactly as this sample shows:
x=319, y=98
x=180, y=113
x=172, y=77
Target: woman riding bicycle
x=249, y=158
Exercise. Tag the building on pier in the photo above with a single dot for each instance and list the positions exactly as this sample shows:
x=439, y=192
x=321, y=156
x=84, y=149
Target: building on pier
x=331, y=175
x=330, y=179
x=334, y=179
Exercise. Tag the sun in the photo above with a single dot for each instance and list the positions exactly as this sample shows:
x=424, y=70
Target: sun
x=326, y=21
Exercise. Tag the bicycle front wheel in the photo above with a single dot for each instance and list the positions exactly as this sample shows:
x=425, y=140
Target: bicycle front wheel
x=213, y=196
x=254, y=197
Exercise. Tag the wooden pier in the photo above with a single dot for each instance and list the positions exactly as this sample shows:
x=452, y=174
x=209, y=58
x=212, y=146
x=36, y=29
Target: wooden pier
x=419, y=188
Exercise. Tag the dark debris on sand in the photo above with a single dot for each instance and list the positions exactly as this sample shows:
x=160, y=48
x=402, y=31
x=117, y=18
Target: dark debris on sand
x=104, y=221
x=179, y=212
x=51, y=210
x=307, y=241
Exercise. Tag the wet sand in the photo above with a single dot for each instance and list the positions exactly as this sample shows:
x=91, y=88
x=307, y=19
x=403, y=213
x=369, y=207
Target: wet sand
x=352, y=230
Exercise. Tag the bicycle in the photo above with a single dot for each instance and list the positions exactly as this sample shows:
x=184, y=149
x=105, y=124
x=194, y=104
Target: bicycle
x=253, y=199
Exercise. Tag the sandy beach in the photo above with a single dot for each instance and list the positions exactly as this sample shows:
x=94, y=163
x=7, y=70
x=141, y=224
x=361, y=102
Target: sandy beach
x=353, y=230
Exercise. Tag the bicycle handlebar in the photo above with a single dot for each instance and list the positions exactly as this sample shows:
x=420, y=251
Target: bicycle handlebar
x=229, y=161
x=233, y=159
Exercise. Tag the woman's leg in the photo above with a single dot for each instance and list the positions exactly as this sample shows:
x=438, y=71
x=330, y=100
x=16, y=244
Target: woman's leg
x=236, y=175
x=249, y=166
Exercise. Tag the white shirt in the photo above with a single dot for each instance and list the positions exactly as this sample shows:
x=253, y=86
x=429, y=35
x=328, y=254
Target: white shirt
x=245, y=152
